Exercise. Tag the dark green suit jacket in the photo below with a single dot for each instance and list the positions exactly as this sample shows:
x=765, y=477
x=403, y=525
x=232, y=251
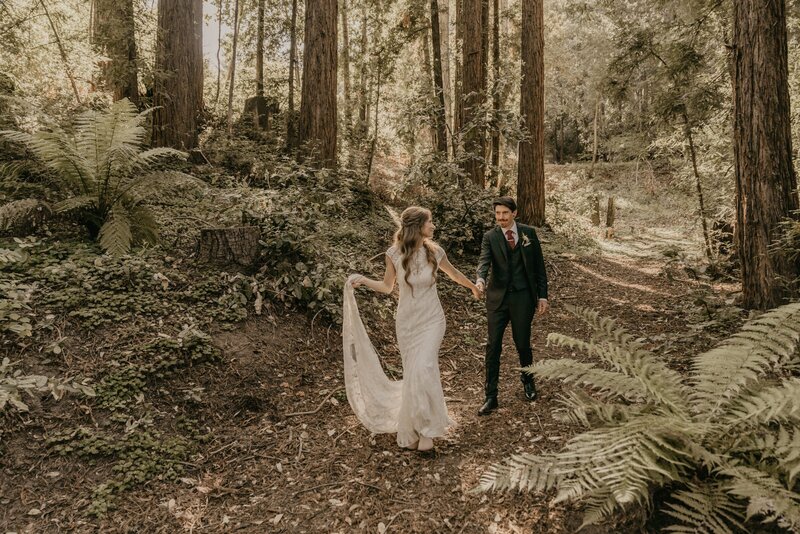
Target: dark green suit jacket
x=494, y=255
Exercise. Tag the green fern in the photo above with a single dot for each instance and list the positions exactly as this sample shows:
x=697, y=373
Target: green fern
x=723, y=442
x=104, y=175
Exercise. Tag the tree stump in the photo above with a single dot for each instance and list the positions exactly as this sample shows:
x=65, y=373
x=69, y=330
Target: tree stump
x=610, y=214
x=596, y=210
x=229, y=245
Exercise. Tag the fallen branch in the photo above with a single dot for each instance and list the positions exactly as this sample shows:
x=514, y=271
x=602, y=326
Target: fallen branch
x=321, y=404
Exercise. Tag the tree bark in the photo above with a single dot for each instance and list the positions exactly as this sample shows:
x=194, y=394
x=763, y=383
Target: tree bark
x=348, y=95
x=291, y=134
x=219, y=51
x=701, y=201
x=178, y=91
x=765, y=176
x=474, y=94
x=458, y=97
x=229, y=245
x=318, y=103
x=530, y=177
x=594, y=134
x=114, y=36
x=232, y=79
x=260, y=50
x=444, y=47
x=440, y=118
x=363, y=97
x=495, y=170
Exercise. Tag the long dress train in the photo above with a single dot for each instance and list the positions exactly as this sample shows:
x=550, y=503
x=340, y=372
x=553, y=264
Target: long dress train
x=414, y=406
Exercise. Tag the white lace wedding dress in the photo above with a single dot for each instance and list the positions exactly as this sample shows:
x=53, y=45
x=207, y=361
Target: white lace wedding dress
x=413, y=406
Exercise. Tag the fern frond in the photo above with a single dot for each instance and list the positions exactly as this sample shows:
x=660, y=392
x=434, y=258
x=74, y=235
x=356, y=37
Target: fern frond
x=144, y=226
x=602, y=505
x=115, y=235
x=705, y=509
x=57, y=152
x=609, y=383
x=23, y=212
x=580, y=408
x=526, y=472
x=770, y=404
x=74, y=203
x=782, y=448
x=767, y=342
x=765, y=495
x=656, y=380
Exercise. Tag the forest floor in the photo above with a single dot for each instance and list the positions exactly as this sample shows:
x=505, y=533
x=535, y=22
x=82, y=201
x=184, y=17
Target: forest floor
x=280, y=450
x=286, y=454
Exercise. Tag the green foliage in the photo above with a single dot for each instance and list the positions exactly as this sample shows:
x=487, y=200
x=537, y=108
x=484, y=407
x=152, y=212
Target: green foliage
x=723, y=445
x=103, y=175
x=155, y=360
x=13, y=384
x=139, y=455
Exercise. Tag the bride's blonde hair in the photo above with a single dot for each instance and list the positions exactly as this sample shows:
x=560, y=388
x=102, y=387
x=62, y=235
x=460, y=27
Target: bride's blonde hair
x=409, y=238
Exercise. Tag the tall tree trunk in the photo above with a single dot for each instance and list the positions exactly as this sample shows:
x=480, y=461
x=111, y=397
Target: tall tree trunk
x=348, y=94
x=318, y=103
x=232, y=80
x=530, y=177
x=114, y=36
x=765, y=176
x=701, y=201
x=63, y=53
x=594, y=133
x=219, y=51
x=440, y=118
x=260, y=50
x=178, y=91
x=458, y=96
x=429, y=89
x=363, y=97
x=444, y=47
x=474, y=138
x=495, y=170
x=291, y=134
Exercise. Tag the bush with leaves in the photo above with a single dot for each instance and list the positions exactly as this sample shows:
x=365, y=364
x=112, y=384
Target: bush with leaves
x=103, y=175
x=723, y=446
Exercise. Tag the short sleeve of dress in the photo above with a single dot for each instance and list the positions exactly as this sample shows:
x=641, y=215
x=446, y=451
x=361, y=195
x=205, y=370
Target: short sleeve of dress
x=393, y=254
x=439, y=253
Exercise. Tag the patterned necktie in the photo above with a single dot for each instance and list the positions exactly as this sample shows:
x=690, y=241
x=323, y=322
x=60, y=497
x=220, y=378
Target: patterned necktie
x=510, y=237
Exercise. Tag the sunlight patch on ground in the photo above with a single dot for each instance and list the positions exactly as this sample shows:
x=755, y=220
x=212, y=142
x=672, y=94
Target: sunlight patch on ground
x=618, y=282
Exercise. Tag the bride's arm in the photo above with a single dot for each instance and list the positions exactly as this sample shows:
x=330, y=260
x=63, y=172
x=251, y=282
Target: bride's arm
x=384, y=286
x=457, y=276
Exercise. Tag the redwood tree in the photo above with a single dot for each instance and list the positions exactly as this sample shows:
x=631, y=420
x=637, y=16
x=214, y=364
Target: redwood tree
x=530, y=177
x=318, y=100
x=113, y=35
x=178, y=91
x=438, y=84
x=473, y=91
x=765, y=177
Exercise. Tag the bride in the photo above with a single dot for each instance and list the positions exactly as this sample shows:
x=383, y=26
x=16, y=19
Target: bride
x=413, y=407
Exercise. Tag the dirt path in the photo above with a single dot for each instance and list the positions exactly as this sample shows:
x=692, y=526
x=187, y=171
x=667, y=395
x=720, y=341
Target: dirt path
x=266, y=471
x=279, y=450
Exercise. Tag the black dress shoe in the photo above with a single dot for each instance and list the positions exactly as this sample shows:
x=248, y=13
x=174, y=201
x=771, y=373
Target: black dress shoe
x=488, y=407
x=530, y=391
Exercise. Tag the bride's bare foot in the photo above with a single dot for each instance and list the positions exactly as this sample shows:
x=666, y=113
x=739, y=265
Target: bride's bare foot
x=412, y=447
x=425, y=444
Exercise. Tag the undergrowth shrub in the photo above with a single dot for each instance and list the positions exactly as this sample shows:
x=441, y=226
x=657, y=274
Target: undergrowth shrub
x=722, y=446
x=101, y=175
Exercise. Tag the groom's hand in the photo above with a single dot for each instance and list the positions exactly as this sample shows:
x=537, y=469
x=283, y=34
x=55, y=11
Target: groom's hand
x=480, y=285
x=542, y=307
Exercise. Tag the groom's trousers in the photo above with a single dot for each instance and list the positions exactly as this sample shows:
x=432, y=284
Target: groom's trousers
x=517, y=308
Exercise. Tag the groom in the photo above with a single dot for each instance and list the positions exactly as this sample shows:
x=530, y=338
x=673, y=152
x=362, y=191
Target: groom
x=516, y=290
